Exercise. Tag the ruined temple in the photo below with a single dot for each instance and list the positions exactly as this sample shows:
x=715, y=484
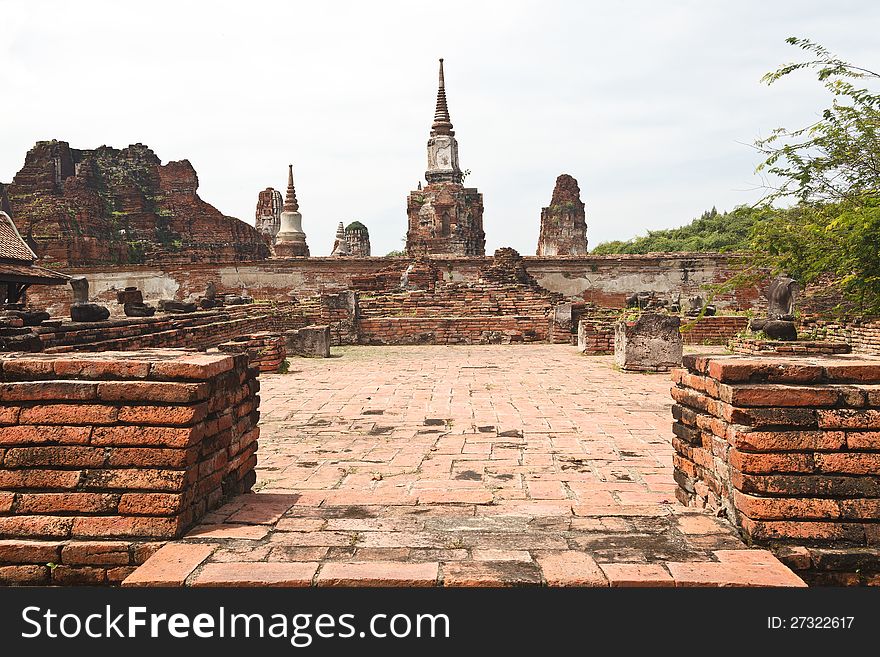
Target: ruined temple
x=444, y=217
x=111, y=206
x=563, y=222
x=268, y=215
x=358, y=238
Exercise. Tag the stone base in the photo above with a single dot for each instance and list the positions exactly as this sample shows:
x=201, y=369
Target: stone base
x=310, y=341
x=292, y=249
x=651, y=343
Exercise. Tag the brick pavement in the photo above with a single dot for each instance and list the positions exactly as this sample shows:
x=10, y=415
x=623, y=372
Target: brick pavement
x=463, y=466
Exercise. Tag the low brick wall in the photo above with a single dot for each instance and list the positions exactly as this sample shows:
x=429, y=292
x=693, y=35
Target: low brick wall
x=715, y=330
x=265, y=351
x=103, y=457
x=863, y=335
x=790, y=450
x=453, y=330
x=596, y=336
x=753, y=347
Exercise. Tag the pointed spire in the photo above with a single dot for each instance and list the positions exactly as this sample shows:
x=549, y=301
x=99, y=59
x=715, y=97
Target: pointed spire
x=442, y=123
x=290, y=203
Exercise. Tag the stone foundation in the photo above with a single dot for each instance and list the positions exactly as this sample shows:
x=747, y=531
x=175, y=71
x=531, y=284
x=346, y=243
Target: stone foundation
x=265, y=351
x=309, y=341
x=789, y=449
x=104, y=457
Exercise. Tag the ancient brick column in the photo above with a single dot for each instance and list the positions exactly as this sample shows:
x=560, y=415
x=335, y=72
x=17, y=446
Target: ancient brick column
x=563, y=222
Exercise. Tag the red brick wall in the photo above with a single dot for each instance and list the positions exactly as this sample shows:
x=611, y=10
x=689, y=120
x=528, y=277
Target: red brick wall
x=105, y=456
x=862, y=335
x=712, y=330
x=490, y=329
x=753, y=347
x=265, y=351
x=790, y=450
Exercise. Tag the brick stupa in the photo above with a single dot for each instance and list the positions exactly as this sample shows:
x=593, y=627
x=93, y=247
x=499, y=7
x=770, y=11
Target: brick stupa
x=445, y=217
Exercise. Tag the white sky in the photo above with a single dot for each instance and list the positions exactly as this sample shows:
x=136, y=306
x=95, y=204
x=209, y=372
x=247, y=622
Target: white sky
x=650, y=105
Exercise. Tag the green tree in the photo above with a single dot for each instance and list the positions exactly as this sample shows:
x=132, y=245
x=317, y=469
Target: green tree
x=832, y=169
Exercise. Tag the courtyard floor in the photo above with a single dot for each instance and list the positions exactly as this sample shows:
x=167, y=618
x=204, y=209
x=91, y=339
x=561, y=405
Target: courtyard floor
x=462, y=466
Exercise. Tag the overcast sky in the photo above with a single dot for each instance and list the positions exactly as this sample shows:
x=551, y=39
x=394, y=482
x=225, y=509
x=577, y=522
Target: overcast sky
x=650, y=105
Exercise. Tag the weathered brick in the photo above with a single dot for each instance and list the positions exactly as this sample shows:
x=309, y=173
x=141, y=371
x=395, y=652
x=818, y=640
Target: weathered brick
x=785, y=508
x=6, y=500
x=170, y=565
x=151, y=457
x=806, y=485
x=778, y=395
x=858, y=463
x=861, y=372
x=24, y=551
x=68, y=414
x=769, y=462
x=136, y=479
x=9, y=414
x=199, y=367
x=150, y=504
x=25, y=367
x=66, y=503
x=152, y=436
x=163, y=415
x=846, y=418
x=32, y=434
x=119, y=526
x=378, y=573
x=766, y=417
x=863, y=440
x=24, y=574
x=118, y=574
x=106, y=366
x=37, y=526
x=738, y=370
x=47, y=390
x=766, y=530
x=83, y=575
x=153, y=391
x=95, y=553
x=39, y=478
x=18, y=457
x=786, y=441
x=570, y=568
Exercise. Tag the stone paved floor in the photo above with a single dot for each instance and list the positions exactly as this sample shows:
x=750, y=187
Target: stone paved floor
x=462, y=466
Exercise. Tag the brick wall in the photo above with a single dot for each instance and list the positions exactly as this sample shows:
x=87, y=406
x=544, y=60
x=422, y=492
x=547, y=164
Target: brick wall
x=790, y=450
x=754, y=347
x=604, y=280
x=453, y=330
x=596, y=335
x=265, y=351
x=863, y=335
x=103, y=457
x=713, y=330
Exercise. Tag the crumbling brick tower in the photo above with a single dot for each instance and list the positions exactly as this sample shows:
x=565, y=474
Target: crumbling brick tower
x=563, y=222
x=445, y=217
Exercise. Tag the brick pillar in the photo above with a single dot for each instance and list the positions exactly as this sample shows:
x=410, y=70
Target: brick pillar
x=789, y=449
x=103, y=457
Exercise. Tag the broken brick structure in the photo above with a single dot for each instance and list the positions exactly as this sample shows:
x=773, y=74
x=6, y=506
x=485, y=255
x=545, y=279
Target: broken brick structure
x=788, y=449
x=266, y=351
x=111, y=206
x=268, y=215
x=358, y=237
x=107, y=456
x=444, y=217
x=563, y=222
